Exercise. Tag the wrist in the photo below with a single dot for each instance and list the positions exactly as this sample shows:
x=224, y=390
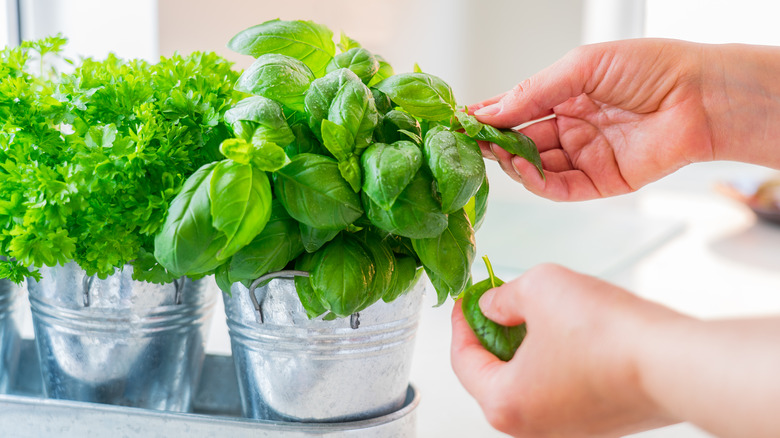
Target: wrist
x=741, y=97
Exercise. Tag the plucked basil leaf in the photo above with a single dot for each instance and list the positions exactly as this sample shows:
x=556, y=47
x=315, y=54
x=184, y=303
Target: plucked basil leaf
x=187, y=243
x=498, y=339
x=342, y=275
x=415, y=214
x=277, y=77
x=310, y=299
x=457, y=166
x=389, y=169
x=272, y=249
x=313, y=191
x=261, y=119
x=513, y=142
x=362, y=62
x=421, y=95
x=240, y=204
x=448, y=257
x=469, y=123
x=306, y=41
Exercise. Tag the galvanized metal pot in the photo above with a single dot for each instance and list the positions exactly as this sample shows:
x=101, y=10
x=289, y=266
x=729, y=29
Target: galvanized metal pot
x=9, y=333
x=120, y=341
x=291, y=368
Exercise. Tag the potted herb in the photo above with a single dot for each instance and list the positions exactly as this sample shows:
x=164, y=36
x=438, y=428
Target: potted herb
x=351, y=181
x=89, y=161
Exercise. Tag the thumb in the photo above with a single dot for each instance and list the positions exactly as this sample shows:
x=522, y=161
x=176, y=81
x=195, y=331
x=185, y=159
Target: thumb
x=536, y=96
x=503, y=304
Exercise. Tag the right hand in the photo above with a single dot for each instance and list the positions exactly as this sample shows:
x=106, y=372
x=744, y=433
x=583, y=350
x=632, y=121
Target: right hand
x=630, y=112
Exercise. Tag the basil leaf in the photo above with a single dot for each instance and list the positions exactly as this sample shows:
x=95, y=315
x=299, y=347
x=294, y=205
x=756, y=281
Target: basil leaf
x=272, y=249
x=350, y=170
x=415, y=213
x=389, y=169
x=305, y=142
x=240, y=204
x=314, y=238
x=334, y=138
x=421, y=95
x=381, y=101
x=342, y=275
x=306, y=41
x=384, y=72
x=187, y=243
x=313, y=191
x=469, y=123
x=481, y=204
x=447, y=258
x=346, y=43
x=405, y=275
x=309, y=298
x=262, y=78
x=457, y=166
x=353, y=108
x=513, y=142
x=359, y=60
x=264, y=155
x=498, y=339
x=266, y=120
x=321, y=94
x=384, y=265
x=396, y=125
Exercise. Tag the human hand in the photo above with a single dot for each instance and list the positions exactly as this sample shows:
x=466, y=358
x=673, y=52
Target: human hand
x=575, y=373
x=630, y=112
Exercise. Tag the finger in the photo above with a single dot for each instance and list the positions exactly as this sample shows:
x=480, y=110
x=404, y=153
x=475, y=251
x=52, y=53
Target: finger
x=473, y=365
x=484, y=147
x=503, y=304
x=538, y=95
x=568, y=185
x=504, y=159
x=545, y=134
x=473, y=107
x=556, y=160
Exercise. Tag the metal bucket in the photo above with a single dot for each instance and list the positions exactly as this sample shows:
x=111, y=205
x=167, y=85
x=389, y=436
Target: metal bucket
x=9, y=333
x=291, y=368
x=120, y=341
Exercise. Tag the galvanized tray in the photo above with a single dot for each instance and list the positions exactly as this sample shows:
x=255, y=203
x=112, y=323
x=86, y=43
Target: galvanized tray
x=216, y=412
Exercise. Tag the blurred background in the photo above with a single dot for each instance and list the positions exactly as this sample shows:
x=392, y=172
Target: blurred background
x=663, y=242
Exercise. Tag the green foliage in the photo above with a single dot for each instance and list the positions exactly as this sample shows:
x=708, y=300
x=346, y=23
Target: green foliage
x=498, y=339
x=91, y=160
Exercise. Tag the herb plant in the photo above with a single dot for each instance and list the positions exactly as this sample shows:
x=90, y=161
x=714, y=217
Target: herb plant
x=90, y=160
x=375, y=176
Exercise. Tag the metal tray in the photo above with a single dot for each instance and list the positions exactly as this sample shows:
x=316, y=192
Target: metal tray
x=216, y=413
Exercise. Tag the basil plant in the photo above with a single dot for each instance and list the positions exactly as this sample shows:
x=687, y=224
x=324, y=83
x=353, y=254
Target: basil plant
x=338, y=166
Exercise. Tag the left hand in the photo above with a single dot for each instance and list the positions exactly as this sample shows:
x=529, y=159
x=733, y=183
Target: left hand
x=575, y=373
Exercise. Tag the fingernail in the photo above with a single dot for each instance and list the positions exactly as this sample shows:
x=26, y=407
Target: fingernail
x=519, y=175
x=486, y=299
x=490, y=110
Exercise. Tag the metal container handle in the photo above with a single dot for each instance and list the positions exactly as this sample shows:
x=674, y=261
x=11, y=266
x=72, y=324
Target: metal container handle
x=86, y=285
x=354, y=319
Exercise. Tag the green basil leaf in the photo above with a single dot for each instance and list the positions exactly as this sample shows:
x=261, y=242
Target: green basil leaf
x=480, y=204
x=267, y=120
x=346, y=43
x=321, y=94
x=306, y=41
x=353, y=108
x=305, y=142
x=389, y=169
x=350, y=170
x=513, y=142
x=469, y=123
x=448, y=257
x=272, y=249
x=309, y=298
x=384, y=72
x=498, y=339
x=314, y=238
x=359, y=60
x=263, y=155
x=421, y=95
x=264, y=78
x=343, y=274
x=381, y=101
x=187, y=243
x=222, y=278
x=397, y=125
x=415, y=214
x=405, y=275
x=384, y=265
x=457, y=166
x=314, y=192
x=240, y=204
x=334, y=138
